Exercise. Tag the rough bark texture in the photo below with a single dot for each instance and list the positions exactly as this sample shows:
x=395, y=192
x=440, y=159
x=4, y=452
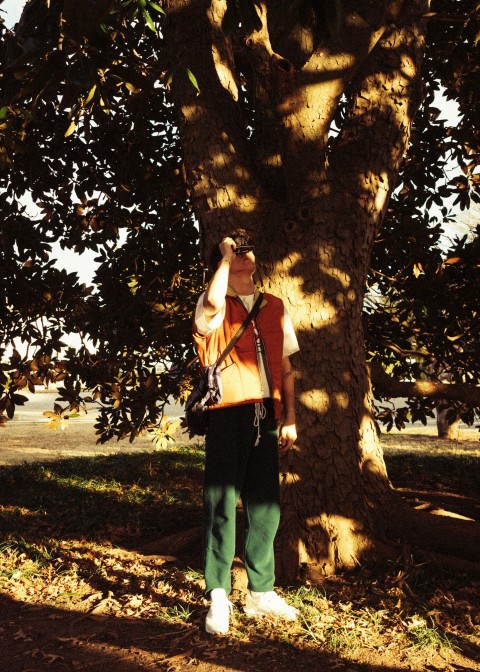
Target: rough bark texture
x=315, y=206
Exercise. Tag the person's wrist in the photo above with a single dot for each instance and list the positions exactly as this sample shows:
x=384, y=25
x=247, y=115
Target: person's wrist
x=290, y=416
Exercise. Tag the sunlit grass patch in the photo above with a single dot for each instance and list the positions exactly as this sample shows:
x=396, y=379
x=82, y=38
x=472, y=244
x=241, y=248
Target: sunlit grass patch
x=408, y=607
x=175, y=613
x=115, y=495
x=424, y=441
x=15, y=564
x=424, y=634
x=71, y=529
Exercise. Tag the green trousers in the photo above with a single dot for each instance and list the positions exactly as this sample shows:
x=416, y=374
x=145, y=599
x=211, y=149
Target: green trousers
x=241, y=463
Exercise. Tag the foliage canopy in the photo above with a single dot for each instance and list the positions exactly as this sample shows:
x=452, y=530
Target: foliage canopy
x=89, y=134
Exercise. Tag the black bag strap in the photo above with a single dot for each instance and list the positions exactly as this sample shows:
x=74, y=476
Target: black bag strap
x=251, y=315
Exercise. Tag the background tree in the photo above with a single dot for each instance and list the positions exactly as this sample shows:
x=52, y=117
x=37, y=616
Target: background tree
x=428, y=321
x=294, y=120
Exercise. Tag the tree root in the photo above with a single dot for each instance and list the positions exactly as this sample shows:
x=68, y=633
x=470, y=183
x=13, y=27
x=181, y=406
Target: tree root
x=443, y=535
x=174, y=544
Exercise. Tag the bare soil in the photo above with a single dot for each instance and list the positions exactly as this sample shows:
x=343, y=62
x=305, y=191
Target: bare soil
x=38, y=636
x=35, y=442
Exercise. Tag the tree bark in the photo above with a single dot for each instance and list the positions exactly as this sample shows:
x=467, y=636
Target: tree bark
x=448, y=422
x=314, y=240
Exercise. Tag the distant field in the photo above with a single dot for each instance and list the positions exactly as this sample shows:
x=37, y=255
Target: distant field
x=424, y=439
x=27, y=437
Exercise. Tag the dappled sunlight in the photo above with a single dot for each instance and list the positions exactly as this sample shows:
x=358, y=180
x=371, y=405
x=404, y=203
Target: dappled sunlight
x=315, y=400
x=349, y=537
x=324, y=314
x=330, y=286
x=336, y=150
x=336, y=627
x=368, y=432
x=383, y=191
x=336, y=274
x=342, y=400
x=232, y=193
x=326, y=253
x=320, y=401
x=344, y=540
x=225, y=75
x=274, y=160
x=193, y=113
x=129, y=609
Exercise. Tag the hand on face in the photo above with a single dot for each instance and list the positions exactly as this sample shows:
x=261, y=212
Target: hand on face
x=227, y=245
x=238, y=262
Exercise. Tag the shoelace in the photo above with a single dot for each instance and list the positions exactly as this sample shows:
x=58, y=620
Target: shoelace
x=260, y=414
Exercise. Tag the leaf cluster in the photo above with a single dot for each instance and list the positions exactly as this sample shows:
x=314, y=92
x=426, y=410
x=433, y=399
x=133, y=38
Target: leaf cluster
x=91, y=162
x=422, y=318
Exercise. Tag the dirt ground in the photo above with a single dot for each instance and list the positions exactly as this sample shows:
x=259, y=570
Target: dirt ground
x=35, y=442
x=48, y=639
x=41, y=638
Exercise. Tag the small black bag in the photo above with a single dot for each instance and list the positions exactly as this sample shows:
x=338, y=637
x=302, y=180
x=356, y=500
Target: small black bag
x=208, y=390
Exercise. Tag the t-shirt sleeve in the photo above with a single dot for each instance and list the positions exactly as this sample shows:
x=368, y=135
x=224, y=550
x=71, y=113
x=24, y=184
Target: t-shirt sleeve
x=290, y=342
x=203, y=326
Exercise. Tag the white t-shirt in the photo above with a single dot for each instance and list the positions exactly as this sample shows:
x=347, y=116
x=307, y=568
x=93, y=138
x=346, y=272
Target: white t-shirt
x=204, y=327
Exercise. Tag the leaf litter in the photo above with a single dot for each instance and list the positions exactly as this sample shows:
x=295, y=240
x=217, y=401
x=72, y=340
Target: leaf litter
x=72, y=601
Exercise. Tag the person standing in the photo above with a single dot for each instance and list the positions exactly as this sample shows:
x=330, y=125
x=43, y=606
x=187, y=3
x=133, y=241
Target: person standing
x=242, y=440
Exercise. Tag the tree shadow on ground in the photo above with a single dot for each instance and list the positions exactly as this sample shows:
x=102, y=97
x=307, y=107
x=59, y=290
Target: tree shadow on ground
x=121, y=497
x=59, y=509
x=438, y=482
x=41, y=638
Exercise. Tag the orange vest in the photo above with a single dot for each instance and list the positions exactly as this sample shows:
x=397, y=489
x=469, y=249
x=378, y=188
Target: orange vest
x=240, y=375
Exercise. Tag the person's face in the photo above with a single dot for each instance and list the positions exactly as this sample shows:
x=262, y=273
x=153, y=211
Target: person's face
x=243, y=263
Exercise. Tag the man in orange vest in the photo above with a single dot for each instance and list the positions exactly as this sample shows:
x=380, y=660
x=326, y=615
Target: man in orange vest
x=243, y=440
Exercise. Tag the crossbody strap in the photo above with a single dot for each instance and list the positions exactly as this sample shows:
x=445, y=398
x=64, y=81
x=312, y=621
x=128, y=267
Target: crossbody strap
x=251, y=315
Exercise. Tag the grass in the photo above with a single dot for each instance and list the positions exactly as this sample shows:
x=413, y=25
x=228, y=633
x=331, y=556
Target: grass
x=426, y=635
x=102, y=496
x=70, y=529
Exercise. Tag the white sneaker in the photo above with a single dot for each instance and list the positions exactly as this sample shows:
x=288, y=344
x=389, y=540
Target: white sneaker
x=218, y=617
x=269, y=604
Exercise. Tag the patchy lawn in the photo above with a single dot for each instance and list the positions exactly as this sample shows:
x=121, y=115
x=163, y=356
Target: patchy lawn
x=77, y=595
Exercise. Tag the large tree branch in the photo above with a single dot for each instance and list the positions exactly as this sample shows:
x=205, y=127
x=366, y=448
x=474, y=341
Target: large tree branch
x=401, y=352
x=220, y=171
x=261, y=64
x=297, y=104
x=320, y=86
x=369, y=150
x=432, y=389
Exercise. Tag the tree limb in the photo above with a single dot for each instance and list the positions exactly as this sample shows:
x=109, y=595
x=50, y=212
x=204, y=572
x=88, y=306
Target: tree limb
x=423, y=388
x=368, y=152
x=304, y=100
x=401, y=352
x=196, y=41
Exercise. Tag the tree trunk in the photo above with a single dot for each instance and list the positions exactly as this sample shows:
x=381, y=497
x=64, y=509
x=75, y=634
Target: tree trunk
x=448, y=422
x=314, y=239
x=334, y=480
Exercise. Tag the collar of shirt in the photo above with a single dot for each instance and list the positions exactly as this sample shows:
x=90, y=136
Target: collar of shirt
x=231, y=292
